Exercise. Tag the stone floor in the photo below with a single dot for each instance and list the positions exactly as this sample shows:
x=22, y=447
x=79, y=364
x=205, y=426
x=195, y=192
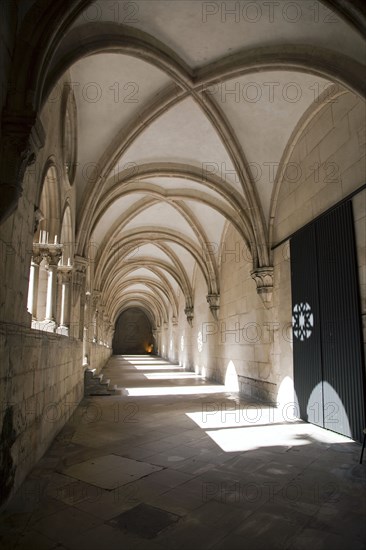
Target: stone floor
x=177, y=462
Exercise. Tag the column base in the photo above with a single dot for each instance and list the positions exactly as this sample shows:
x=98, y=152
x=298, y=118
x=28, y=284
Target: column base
x=62, y=329
x=46, y=325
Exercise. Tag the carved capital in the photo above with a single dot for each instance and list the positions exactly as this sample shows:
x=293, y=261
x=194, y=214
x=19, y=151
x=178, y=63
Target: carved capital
x=96, y=298
x=214, y=303
x=263, y=277
x=53, y=257
x=50, y=252
x=80, y=265
x=36, y=258
x=100, y=311
x=38, y=216
x=65, y=274
x=189, y=314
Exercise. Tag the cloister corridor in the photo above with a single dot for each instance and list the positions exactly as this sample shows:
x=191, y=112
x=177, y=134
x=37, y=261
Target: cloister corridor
x=173, y=460
x=182, y=274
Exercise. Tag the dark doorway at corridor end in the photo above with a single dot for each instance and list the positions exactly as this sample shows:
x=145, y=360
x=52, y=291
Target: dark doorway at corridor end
x=133, y=333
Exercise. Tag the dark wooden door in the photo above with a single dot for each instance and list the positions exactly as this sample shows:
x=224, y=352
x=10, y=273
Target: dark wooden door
x=327, y=345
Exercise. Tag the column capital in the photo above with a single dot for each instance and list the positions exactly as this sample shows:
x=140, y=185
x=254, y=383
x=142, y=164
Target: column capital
x=36, y=258
x=65, y=273
x=263, y=277
x=79, y=275
x=189, y=314
x=80, y=263
x=214, y=303
x=96, y=295
x=50, y=252
x=53, y=258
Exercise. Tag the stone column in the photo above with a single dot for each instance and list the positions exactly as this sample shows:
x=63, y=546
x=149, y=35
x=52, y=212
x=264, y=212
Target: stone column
x=65, y=273
x=33, y=285
x=105, y=328
x=100, y=316
x=52, y=258
x=95, y=303
x=110, y=334
x=78, y=294
x=86, y=337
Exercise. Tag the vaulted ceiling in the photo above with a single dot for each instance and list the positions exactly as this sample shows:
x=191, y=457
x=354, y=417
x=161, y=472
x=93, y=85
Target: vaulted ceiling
x=184, y=114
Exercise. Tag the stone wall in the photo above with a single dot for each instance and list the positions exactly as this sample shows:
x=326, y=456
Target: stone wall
x=16, y=238
x=203, y=345
x=359, y=213
x=98, y=356
x=41, y=373
x=41, y=384
x=282, y=358
x=331, y=163
x=245, y=333
x=184, y=337
x=236, y=347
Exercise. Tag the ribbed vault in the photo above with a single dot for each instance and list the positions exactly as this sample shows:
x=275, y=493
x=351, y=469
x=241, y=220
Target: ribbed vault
x=176, y=140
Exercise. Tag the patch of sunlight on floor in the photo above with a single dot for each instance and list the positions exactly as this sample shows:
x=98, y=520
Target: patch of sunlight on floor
x=285, y=435
x=180, y=390
x=171, y=375
x=158, y=367
x=134, y=362
x=215, y=415
x=254, y=437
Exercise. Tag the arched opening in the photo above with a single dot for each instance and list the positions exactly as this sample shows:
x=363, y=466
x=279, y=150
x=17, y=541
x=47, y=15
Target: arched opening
x=46, y=254
x=133, y=333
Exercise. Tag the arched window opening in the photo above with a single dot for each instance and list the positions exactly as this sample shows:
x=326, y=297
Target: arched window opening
x=47, y=252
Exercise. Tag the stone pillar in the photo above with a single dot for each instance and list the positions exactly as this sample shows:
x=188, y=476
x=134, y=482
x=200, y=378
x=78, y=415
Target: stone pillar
x=52, y=254
x=100, y=316
x=95, y=303
x=95, y=327
x=105, y=328
x=80, y=265
x=174, y=338
x=65, y=273
x=87, y=331
x=52, y=259
x=110, y=334
x=33, y=285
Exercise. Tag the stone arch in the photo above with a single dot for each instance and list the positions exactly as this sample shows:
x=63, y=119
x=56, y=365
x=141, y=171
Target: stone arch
x=49, y=227
x=133, y=332
x=68, y=128
x=67, y=236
